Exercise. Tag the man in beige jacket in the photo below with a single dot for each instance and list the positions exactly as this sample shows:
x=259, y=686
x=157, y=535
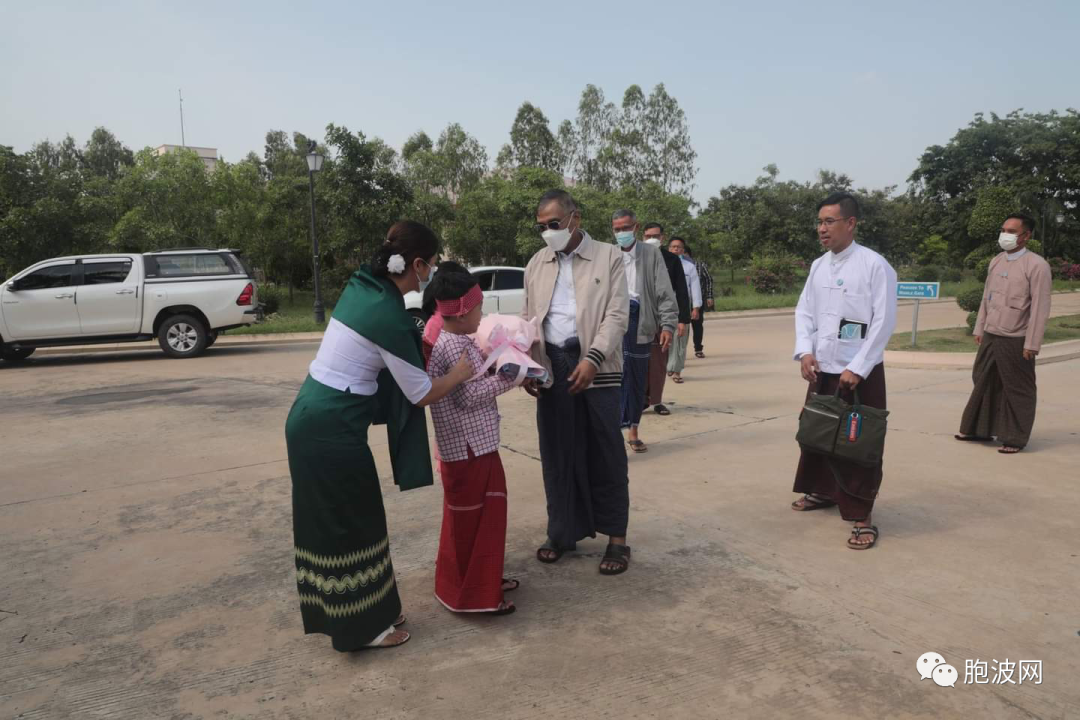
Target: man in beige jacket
x=1009, y=331
x=576, y=288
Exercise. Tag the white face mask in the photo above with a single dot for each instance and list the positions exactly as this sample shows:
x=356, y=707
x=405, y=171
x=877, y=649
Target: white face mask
x=424, y=283
x=654, y=241
x=1007, y=241
x=557, y=240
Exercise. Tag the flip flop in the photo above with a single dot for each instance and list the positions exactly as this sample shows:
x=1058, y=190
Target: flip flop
x=637, y=446
x=662, y=410
x=1009, y=449
x=858, y=531
x=401, y=620
x=387, y=647
x=514, y=586
x=811, y=502
x=972, y=438
x=699, y=354
x=505, y=608
x=677, y=380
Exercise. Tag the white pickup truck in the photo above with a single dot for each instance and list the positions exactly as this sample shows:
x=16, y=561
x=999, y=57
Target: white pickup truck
x=184, y=298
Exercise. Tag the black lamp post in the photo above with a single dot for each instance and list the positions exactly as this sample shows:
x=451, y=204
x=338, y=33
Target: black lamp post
x=314, y=164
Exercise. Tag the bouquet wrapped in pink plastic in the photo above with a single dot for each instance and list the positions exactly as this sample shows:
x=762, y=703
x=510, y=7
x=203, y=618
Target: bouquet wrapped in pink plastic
x=505, y=340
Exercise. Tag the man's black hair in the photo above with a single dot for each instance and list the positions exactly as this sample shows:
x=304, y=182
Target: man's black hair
x=1027, y=220
x=650, y=226
x=565, y=200
x=847, y=202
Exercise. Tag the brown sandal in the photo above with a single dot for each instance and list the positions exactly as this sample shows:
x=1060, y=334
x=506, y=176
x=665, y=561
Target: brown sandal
x=857, y=531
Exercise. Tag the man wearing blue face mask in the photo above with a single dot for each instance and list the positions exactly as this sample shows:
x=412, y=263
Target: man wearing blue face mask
x=1009, y=332
x=653, y=309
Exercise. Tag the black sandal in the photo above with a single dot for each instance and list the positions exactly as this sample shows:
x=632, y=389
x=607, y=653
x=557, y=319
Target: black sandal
x=616, y=554
x=550, y=548
x=505, y=608
x=1009, y=449
x=972, y=438
x=811, y=501
x=662, y=410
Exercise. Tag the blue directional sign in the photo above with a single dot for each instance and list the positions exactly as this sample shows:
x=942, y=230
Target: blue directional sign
x=918, y=290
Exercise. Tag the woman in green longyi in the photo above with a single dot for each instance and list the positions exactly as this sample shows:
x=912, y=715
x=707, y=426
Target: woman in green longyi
x=369, y=370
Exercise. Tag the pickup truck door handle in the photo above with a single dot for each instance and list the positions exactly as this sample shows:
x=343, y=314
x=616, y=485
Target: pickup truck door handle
x=125, y=292
x=64, y=296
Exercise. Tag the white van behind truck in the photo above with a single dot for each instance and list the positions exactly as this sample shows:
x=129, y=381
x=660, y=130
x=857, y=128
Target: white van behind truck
x=182, y=297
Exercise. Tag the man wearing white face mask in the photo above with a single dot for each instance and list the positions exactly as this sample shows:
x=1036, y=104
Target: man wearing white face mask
x=576, y=288
x=1009, y=331
x=653, y=234
x=653, y=310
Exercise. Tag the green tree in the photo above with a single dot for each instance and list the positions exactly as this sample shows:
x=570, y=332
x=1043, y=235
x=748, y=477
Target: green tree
x=1034, y=157
x=532, y=143
x=364, y=193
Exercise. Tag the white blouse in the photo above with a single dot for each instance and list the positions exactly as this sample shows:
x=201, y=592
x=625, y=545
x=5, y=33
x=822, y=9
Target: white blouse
x=349, y=362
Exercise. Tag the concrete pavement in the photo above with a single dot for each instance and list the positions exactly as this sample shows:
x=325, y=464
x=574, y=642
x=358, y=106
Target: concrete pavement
x=147, y=572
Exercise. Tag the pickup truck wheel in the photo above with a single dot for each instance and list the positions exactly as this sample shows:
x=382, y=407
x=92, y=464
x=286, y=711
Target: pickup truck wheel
x=12, y=355
x=182, y=336
x=419, y=319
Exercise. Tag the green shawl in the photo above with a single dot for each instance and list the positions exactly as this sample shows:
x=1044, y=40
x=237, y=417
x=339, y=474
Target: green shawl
x=373, y=307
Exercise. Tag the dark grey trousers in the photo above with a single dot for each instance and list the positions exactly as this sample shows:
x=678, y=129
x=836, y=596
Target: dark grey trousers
x=583, y=457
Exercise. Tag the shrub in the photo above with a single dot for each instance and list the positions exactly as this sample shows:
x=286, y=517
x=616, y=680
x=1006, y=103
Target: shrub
x=982, y=269
x=927, y=273
x=1064, y=270
x=772, y=274
x=972, y=318
x=970, y=300
x=951, y=274
x=270, y=296
x=985, y=250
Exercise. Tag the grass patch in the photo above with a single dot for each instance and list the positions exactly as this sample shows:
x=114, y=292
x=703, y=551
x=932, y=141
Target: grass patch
x=1066, y=327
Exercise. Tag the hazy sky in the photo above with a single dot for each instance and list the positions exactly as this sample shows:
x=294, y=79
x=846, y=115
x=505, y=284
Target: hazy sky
x=861, y=88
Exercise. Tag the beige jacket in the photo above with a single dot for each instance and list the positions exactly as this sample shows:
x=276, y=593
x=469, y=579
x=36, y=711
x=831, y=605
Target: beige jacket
x=603, y=305
x=1016, y=300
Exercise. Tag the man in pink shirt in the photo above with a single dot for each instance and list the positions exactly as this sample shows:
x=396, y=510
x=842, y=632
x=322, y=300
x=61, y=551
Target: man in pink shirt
x=1009, y=331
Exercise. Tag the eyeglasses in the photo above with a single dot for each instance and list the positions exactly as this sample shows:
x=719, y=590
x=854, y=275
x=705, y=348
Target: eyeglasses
x=551, y=224
x=828, y=222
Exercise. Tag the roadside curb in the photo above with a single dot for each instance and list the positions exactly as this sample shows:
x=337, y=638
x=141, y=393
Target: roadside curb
x=778, y=312
x=152, y=346
x=909, y=360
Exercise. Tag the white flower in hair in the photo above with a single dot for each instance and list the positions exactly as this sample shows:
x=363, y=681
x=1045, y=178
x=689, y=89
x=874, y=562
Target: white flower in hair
x=396, y=264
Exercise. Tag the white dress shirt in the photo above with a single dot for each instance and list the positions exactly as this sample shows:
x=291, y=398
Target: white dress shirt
x=629, y=258
x=348, y=361
x=561, y=322
x=693, y=281
x=856, y=285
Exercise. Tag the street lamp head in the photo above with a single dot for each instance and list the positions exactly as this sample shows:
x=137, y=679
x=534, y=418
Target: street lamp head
x=314, y=160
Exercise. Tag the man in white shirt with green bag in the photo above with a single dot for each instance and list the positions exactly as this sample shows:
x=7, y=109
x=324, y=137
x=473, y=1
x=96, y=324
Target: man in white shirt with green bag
x=845, y=317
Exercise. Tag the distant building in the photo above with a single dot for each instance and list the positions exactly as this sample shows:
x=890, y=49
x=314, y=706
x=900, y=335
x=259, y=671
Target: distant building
x=209, y=156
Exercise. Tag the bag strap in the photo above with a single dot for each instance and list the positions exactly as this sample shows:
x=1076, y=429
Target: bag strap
x=855, y=392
